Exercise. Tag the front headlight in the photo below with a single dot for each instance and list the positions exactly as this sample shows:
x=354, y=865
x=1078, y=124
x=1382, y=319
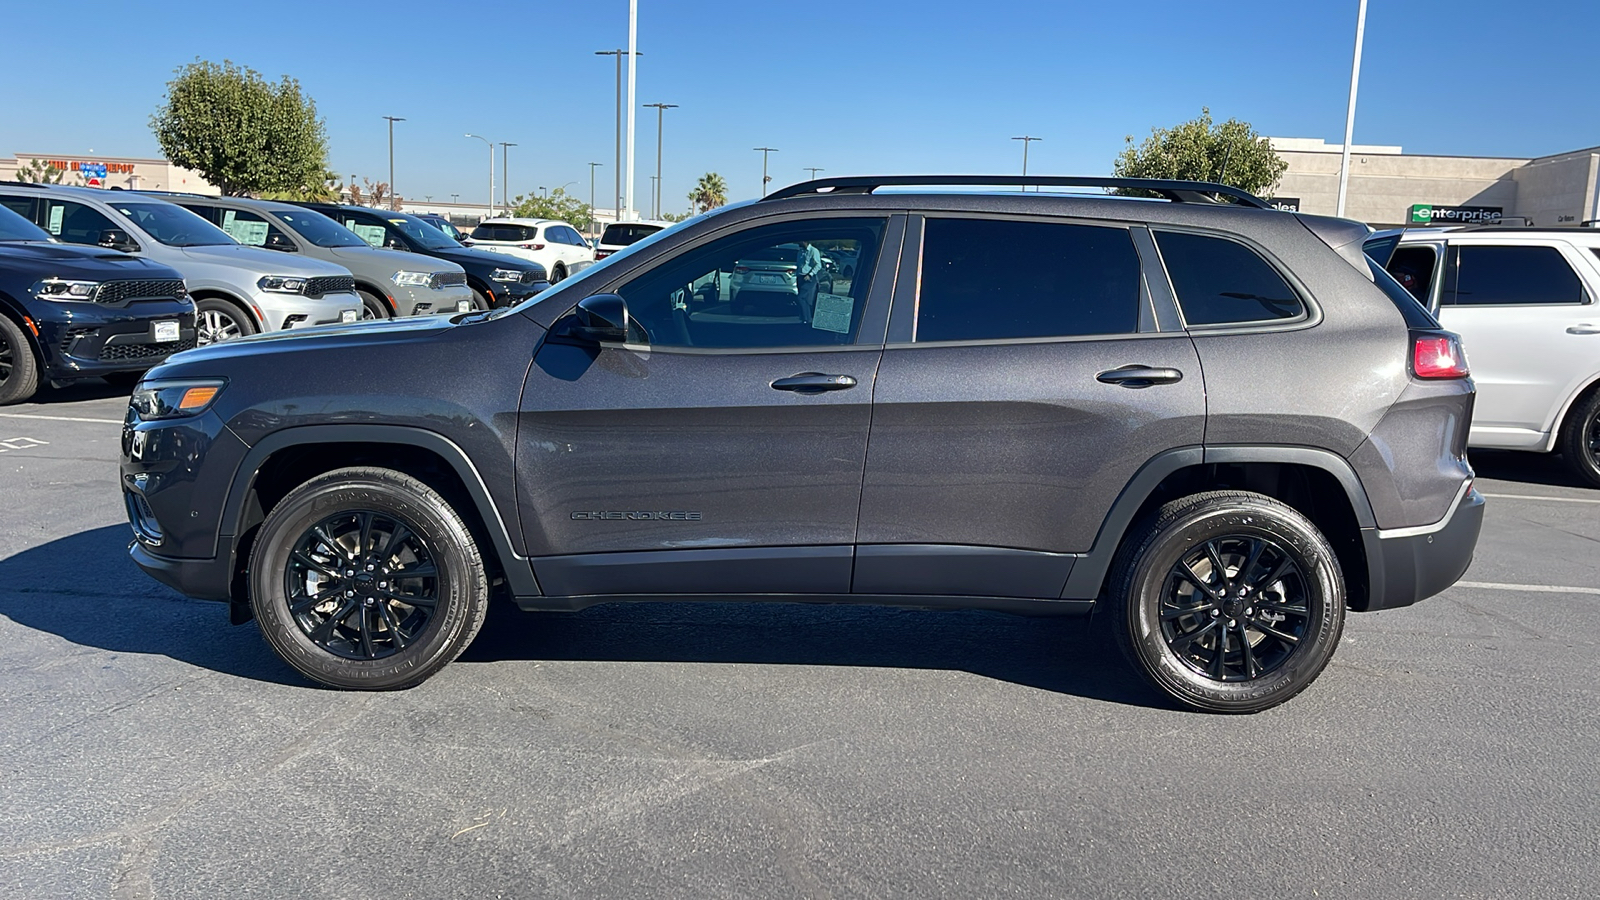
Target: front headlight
x=282, y=284
x=175, y=399
x=63, y=289
x=412, y=279
x=507, y=275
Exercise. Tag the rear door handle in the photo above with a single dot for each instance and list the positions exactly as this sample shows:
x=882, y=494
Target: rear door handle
x=814, y=383
x=1139, y=376
x=1585, y=328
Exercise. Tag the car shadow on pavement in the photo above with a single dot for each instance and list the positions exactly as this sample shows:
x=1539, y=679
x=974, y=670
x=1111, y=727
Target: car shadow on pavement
x=86, y=590
x=1529, y=468
x=88, y=389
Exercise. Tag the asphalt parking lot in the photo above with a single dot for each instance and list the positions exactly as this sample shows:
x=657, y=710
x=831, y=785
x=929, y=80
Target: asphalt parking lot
x=716, y=750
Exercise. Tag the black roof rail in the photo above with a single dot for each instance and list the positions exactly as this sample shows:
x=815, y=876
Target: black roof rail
x=1176, y=191
x=180, y=194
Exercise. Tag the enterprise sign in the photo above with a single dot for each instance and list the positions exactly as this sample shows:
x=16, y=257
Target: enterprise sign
x=1428, y=214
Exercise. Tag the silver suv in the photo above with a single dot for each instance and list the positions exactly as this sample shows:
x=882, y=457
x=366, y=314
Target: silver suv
x=237, y=290
x=1524, y=302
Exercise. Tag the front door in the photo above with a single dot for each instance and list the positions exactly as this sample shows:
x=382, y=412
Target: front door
x=721, y=450
x=1022, y=387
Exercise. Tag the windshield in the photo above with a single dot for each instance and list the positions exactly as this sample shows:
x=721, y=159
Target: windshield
x=317, y=228
x=15, y=228
x=173, y=225
x=627, y=233
x=423, y=233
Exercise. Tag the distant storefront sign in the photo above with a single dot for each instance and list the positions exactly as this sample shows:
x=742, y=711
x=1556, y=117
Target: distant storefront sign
x=1287, y=204
x=94, y=174
x=1429, y=214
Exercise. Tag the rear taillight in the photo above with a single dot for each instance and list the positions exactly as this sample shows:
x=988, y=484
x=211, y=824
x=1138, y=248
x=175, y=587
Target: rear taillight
x=601, y=254
x=741, y=270
x=531, y=246
x=1438, y=356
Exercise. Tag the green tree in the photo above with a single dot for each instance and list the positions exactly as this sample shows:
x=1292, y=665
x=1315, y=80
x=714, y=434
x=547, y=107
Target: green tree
x=558, y=204
x=709, y=192
x=1231, y=153
x=329, y=191
x=41, y=172
x=242, y=133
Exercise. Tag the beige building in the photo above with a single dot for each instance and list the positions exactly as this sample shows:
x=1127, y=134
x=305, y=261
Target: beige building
x=126, y=172
x=1389, y=188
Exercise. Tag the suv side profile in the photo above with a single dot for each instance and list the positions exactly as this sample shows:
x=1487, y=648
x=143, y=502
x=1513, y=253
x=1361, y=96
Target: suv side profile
x=1213, y=425
x=237, y=290
x=495, y=279
x=390, y=283
x=1524, y=301
x=68, y=313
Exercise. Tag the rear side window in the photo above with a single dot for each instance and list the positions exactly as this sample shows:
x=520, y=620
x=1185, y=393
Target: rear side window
x=75, y=223
x=504, y=233
x=1413, y=267
x=1513, y=276
x=1222, y=282
x=625, y=235
x=1415, y=314
x=991, y=280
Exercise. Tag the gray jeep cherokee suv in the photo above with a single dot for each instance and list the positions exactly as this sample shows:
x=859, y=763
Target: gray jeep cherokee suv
x=1214, y=424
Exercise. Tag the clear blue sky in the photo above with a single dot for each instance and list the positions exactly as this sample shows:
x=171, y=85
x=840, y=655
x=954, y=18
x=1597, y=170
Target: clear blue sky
x=866, y=87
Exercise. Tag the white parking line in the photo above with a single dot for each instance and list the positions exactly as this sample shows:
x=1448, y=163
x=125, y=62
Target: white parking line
x=1537, y=497
x=1540, y=588
x=60, y=418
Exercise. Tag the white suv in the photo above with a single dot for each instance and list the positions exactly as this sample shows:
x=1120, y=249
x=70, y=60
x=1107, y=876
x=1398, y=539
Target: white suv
x=549, y=242
x=1525, y=304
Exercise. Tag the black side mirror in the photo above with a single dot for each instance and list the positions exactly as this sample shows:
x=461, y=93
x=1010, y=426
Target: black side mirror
x=119, y=240
x=276, y=241
x=602, y=318
x=394, y=244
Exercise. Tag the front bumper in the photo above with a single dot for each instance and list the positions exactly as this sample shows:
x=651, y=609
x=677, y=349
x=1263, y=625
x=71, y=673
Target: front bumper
x=80, y=343
x=425, y=301
x=281, y=311
x=1408, y=565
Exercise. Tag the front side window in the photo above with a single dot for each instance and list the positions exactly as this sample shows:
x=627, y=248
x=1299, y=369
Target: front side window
x=75, y=223
x=1223, y=282
x=764, y=288
x=992, y=280
x=1513, y=276
x=250, y=229
x=173, y=225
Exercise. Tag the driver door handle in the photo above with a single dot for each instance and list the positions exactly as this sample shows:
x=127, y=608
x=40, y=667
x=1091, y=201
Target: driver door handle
x=1139, y=376
x=1585, y=328
x=814, y=383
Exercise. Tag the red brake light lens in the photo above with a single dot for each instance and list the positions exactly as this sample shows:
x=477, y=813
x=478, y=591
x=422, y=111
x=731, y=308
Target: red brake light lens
x=741, y=270
x=1438, y=356
x=532, y=246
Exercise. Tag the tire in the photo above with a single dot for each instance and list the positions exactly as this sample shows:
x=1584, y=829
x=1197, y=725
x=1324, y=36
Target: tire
x=1580, y=440
x=217, y=320
x=558, y=273
x=1277, y=636
x=481, y=300
x=376, y=522
x=373, y=306
x=19, y=368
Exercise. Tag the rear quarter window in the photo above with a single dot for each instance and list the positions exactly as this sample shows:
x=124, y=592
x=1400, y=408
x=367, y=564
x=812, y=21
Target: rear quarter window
x=1221, y=282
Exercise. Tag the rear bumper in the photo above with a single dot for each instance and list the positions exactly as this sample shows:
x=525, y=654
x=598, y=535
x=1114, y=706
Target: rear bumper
x=1408, y=565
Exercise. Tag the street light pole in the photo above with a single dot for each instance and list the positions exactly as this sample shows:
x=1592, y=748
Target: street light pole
x=1026, y=140
x=617, y=197
x=505, y=175
x=491, y=170
x=633, y=71
x=592, y=230
x=764, y=176
x=655, y=191
x=813, y=170
x=1350, y=114
x=392, y=120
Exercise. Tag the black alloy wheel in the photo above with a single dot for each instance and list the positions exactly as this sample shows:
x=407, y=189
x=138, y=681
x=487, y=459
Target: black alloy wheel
x=362, y=584
x=558, y=273
x=19, y=372
x=1580, y=439
x=1230, y=601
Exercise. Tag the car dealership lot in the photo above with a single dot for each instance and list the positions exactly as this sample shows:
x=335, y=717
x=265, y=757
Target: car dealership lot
x=718, y=750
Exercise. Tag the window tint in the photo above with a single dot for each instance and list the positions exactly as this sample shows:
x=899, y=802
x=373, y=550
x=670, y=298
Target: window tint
x=15, y=228
x=173, y=225
x=22, y=206
x=763, y=288
x=986, y=280
x=572, y=236
x=1411, y=309
x=74, y=222
x=1413, y=268
x=1514, y=275
x=505, y=233
x=1221, y=282
x=624, y=234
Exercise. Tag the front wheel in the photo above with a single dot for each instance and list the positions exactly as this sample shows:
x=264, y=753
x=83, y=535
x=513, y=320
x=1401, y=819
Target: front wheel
x=373, y=306
x=218, y=320
x=1580, y=440
x=1230, y=601
x=19, y=370
x=366, y=578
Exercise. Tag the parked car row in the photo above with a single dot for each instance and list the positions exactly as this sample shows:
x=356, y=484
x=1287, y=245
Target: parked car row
x=197, y=270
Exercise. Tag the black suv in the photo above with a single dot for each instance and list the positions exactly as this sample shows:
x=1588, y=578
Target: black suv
x=497, y=280
x=69, y=312
x=1215, y=424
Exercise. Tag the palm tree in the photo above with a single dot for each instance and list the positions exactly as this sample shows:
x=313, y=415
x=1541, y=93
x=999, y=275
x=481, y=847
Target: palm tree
x=710, y=192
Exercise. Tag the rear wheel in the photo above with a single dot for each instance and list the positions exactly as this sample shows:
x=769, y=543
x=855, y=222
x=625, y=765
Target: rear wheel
x=19, y=370
x=366, y=578
x=558, y=273
x=1230, y=601
x=373, y=306
x=1580, y=440
x=219, y=320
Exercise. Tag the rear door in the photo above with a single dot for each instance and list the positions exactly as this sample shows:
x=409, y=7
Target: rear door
x=1026, y=379
x=720, y=451
x=1531, y=331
